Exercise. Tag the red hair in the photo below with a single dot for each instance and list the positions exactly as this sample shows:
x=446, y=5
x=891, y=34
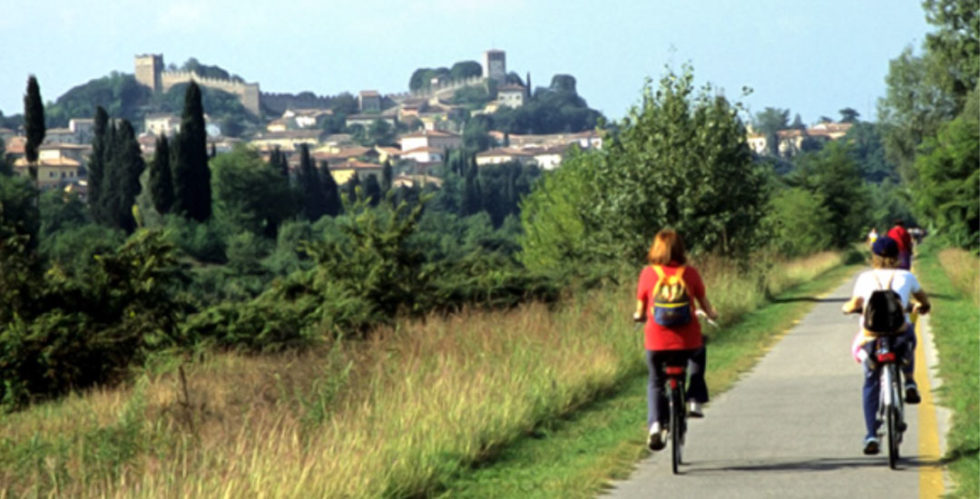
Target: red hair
x=668, y=246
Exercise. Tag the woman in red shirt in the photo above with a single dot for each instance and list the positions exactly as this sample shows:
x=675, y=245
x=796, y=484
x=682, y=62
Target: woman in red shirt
x=674, y=344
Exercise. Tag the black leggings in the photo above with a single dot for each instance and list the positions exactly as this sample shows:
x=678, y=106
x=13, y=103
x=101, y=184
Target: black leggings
x=697, y=390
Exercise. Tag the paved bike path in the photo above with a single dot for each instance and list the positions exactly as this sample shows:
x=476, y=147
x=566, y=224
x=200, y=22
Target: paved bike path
x=793, y=427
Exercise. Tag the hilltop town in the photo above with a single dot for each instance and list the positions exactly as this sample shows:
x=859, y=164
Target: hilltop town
x=357, y=134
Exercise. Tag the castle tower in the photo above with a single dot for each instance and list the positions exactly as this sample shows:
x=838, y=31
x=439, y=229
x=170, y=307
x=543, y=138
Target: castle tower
x=495, y=65
x=148, y=68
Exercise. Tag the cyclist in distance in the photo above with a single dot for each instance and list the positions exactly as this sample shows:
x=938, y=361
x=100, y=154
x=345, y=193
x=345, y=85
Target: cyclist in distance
x=885, y=274
x=904, y=241
x=680, y=340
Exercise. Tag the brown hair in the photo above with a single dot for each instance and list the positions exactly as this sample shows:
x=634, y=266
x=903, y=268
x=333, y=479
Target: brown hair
x=884, y=262
x=668, y=246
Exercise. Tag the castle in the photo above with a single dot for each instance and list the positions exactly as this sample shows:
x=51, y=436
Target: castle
x=150, y=73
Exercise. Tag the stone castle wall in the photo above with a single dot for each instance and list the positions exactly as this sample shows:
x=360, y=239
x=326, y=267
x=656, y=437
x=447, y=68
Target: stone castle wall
x=248, y=93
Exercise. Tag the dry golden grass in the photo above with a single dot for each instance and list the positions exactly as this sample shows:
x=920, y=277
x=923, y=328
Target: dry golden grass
x=963, y=269
x=396, y=415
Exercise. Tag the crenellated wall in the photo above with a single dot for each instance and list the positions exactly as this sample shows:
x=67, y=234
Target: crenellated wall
x=248, y=93
x=149, y=72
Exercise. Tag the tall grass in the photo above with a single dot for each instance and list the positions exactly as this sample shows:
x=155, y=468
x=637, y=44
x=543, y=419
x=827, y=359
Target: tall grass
x=950, y=277
x=397, y=415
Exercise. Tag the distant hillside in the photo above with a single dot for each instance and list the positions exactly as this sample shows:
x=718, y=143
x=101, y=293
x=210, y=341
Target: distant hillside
x=123, y=97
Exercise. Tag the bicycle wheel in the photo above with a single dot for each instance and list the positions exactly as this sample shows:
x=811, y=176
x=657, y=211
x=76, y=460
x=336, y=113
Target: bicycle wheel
x=676, y=430
x=894, y=424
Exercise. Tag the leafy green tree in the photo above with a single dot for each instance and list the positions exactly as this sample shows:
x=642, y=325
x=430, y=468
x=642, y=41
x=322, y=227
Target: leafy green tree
x=34, y=126
x=955, y=45
x=914, y=107
x=799, y=222
x=192, y=178
x=118, y=93
x=947, y=192
x=161, y=182
x=563, y=83
x=680, y=161
x=833, y=174
x=562, y=229
x=60, y=211
x=869, y=153
x=465, y=69
x=849, y=115
x=380, y=133
x=250, y=196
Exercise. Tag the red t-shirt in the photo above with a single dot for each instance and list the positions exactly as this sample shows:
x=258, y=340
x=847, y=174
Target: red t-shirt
x=659, y=337
x=902, y=238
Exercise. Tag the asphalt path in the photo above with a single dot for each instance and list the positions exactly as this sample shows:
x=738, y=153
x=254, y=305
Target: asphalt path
x=793, y=427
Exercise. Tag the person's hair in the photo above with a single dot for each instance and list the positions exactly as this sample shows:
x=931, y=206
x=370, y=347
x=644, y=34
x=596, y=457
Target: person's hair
x=668, y=246
x=899, y=222
x=884, y=262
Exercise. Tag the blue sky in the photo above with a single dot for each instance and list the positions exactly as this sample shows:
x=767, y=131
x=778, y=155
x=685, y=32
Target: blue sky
x=812, y=57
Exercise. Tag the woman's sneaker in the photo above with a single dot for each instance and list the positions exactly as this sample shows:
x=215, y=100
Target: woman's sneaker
x=694, y=410
x=871, y=446
x=657, y=439
x=912, y=394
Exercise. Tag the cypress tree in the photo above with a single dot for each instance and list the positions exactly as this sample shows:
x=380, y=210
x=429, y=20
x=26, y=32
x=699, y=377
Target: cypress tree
x=33, y=124
x=96, y=164
x=105, y=209
x=331, y=192
x=471, y=203
x=278, y=161
x=352, y=186
x=372, y=189
x=161, y=177
x=387, y=177
x=121, y=178
x=191, y=176
x=314, y=203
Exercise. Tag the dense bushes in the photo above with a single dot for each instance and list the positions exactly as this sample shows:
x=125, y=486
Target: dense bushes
x=74, y=329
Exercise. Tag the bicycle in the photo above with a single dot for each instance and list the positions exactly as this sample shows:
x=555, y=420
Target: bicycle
x=891, y=406
x=677, y=405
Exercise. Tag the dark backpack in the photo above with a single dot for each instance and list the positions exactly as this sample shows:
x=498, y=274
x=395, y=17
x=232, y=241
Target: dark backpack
x=671, y=302
x=884, y=314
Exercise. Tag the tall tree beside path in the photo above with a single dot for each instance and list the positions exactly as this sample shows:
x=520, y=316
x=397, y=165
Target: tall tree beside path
x=947, y=193
x=161, y=177
x=33, y=125
x=955, y=45
x=192, y=178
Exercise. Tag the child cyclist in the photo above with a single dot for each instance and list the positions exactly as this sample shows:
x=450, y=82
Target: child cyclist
x=885, y=274
x=672, y=344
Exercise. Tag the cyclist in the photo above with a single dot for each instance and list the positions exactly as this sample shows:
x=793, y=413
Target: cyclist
x=885, y=274
x=904, y=242
x=674, y=344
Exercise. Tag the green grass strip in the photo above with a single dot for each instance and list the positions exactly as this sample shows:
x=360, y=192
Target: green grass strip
x=577, y=455
x=954, y=321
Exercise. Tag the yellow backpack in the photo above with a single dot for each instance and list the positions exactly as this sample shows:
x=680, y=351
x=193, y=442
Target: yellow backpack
x=671, y=302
